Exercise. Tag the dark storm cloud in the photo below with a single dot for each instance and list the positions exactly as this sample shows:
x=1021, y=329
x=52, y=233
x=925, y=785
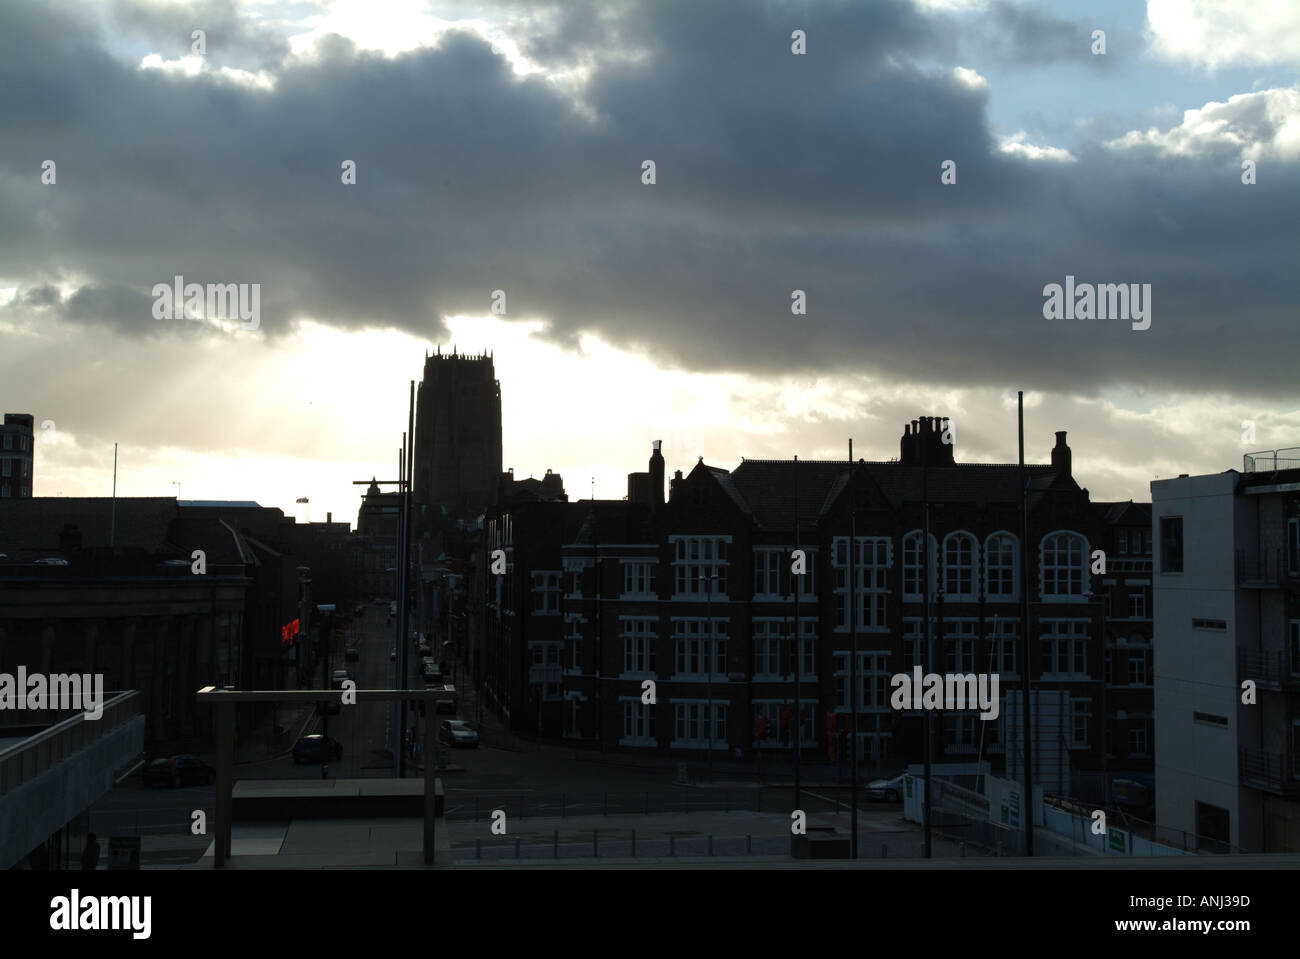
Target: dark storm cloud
x=775, y=172
x=231, y=39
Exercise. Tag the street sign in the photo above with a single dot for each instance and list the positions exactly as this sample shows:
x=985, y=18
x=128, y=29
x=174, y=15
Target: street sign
x=1118, y=840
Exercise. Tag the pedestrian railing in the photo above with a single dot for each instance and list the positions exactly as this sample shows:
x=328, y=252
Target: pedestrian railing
x=630, y=843
x=525, y=805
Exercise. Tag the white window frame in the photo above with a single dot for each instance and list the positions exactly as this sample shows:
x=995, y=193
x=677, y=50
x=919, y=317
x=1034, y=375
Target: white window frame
x=640, y=579
x=997, y=571
x=639, y=635
x=1080, y=709
x=913, y=567
x=768, y=564
x=695, y=558
x=1142, y=729
x=573, y=636
x=690, y=645
x=1136, y=656
x=1068, y=637
x=690, y=715
x=913, y=642
x=808, y=650
x=872, y=614
x=959, y=645
x=1067, y=573
x=1005, y=633
x=960, y=572
x=546, y=587
x=768, y=634
x=1138, y=601
x=638, y=722
x=808, y=581
x=961, y=732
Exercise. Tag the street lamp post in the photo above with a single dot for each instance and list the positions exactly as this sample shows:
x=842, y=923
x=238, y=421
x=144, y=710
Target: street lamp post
x=708, y=666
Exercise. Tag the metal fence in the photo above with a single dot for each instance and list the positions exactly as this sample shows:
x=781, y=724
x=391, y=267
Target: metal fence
x=564, y=804
x=627, y=843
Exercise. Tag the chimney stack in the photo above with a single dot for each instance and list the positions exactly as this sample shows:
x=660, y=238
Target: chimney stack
x=1061, y=458
x=922, y=443
x=656, y=477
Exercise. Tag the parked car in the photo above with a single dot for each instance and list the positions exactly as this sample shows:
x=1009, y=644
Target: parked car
x=352, y=655
x=317, y=749
x=338, y=677
x=459, y=733
x=183, y=770
x=889, y=790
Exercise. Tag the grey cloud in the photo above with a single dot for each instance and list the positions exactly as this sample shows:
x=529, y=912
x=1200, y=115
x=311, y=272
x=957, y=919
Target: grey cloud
x=775, y=172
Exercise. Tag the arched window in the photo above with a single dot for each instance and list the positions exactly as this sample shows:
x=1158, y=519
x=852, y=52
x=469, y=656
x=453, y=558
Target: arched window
x=1064, y=567
x=959, y=555
x=1001, y=568
x=913, y=563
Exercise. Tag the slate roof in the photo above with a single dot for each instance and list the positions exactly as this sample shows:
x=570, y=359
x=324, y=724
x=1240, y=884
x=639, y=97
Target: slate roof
x=223, y=545
x=766, y=487
x=35, y=523
x=1127, y=513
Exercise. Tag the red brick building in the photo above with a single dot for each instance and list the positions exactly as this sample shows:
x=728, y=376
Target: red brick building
x=601, y=597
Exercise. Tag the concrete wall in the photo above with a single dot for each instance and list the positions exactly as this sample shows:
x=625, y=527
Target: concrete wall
x=1196, y=669
x=30, y=814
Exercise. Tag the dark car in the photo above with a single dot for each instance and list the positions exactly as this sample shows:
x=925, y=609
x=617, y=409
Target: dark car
x=457, y=732
x=317, y=749
x=184, y=770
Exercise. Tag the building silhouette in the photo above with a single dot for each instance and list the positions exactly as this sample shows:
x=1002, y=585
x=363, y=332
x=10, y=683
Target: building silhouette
x=16, y=460
x=598, y=597
x=457, y=444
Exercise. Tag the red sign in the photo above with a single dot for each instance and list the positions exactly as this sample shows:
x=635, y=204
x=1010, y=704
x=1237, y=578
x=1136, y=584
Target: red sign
x=287, y=633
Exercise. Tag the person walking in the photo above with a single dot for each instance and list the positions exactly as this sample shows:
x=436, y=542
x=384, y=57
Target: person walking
x=90, y=857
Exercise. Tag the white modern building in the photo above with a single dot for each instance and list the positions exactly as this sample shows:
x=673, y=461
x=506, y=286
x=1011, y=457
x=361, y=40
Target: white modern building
x=1226, y=589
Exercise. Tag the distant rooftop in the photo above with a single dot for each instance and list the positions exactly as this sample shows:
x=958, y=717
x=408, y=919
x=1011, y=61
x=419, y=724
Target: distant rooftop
x=220, y=503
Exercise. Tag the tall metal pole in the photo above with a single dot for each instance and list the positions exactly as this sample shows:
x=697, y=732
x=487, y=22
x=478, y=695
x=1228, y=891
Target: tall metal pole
x=929, y=650
x=406, y=556
x=1028, y=804
x=708, y=667
x=600, y=636
x=797, y=583
x=112, y=522
x=399, y=729
x=853, y=660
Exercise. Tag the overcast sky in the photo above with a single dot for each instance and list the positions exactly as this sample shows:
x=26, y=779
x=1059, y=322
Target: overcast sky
x=501, y=146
